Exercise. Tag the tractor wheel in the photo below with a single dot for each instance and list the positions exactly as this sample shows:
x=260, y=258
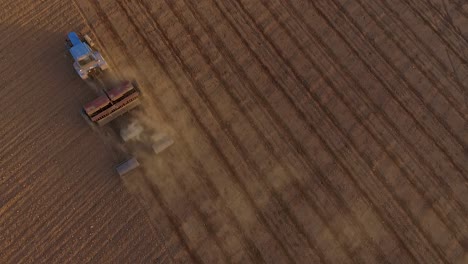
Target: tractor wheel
x=88, y=40
x=127, y=166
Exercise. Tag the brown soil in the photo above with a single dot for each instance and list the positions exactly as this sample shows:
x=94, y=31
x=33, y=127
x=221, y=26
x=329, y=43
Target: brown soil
x=305, y=132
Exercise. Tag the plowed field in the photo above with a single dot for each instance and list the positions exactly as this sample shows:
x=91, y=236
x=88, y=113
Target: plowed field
x=326, y=131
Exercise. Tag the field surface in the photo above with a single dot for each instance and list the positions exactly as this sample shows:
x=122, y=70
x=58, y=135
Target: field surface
x=321, y=131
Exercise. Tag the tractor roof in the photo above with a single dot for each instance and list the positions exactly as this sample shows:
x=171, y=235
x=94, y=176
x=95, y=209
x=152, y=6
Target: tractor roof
x=80, y=50
x=74, y=38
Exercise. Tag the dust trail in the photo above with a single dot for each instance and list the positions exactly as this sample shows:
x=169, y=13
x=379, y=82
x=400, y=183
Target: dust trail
x=151, y=136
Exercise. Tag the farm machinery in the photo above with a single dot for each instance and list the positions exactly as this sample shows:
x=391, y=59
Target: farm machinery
x=115, y=101
x=88, y=63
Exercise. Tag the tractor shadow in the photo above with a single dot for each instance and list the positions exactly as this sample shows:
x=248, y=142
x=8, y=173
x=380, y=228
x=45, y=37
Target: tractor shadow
x=42, y=92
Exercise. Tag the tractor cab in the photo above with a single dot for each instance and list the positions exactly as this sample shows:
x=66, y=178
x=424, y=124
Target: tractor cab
x=87, y=62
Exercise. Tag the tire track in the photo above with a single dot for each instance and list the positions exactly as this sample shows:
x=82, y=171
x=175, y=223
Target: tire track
x=217, y=74
x=443, y=19
x=240, y=34
x=110, y=60
x=169, y=172
x=462, y=224
x=198, y=214
x=386, y=187
x=230, y=55
x=23, y=221
x=461, y=141
x=133, y=63
x=395, y=96
x=142, y=195
x=173, y=220
x=426, y=50
x=196, y=83
x=459, y=222
x=460, y=4
x=394, y=156
x=236, y=98
x=456, y=50
x=210, y=217
x=432, y=79
x=447, y=18
x=106, y=22
x=204, y=173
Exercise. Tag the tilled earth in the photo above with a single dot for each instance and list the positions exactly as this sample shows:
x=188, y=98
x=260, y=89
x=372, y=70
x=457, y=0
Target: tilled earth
x=305, y=132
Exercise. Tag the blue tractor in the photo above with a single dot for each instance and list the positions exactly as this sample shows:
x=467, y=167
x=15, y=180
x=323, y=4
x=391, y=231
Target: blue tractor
x=88, y=63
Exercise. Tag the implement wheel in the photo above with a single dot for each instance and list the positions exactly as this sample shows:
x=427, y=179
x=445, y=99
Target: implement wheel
x=127, y=166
